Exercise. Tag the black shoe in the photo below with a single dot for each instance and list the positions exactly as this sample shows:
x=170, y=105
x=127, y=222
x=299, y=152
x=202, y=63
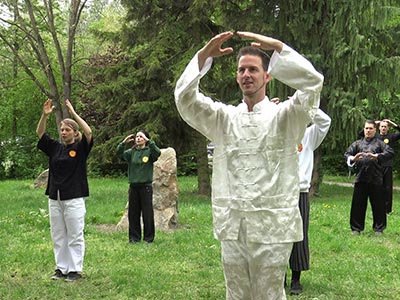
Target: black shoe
x=73, y=276
x=295, y=287
x=57, y=275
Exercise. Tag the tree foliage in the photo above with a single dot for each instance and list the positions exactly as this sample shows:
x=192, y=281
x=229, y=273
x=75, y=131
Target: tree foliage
x=352, y=44
x=37, y=41
x=138, y=50
x=41, y=38
x=136, y=91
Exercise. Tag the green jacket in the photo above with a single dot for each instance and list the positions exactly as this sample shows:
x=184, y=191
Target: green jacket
x=140, y=161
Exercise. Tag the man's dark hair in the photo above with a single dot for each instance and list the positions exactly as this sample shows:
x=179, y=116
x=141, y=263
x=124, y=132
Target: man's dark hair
x=250, y=50
x=370, y=121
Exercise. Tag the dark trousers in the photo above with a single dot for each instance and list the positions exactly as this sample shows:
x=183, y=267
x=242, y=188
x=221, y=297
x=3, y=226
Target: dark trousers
x=388, y=188
x=363, y=191
x=300, y=256
x=141, y=205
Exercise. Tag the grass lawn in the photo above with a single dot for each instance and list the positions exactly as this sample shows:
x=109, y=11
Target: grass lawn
x=184, y=264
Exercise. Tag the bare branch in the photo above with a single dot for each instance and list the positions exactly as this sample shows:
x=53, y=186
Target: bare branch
x=50, y=17
x=76, y=8
x=15, y=84
x=25, y=67
x=42, y=49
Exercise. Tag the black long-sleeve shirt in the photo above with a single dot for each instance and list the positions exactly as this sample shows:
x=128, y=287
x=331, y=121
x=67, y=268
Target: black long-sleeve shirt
x=370, y=170
x=67, y=167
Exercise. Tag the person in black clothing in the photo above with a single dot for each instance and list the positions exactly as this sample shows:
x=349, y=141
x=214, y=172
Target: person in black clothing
x=389, y=139
x=67, y=188
x=367, y=155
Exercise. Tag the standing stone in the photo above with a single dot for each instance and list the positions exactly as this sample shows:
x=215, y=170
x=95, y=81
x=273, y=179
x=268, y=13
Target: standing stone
x=41, y=180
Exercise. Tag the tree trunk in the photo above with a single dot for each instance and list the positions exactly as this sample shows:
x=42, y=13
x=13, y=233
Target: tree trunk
x=14, y=131
x=317, y=174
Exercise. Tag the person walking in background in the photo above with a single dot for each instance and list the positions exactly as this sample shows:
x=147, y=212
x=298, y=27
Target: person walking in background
x=255, y=184
x=140, y=158
x=67, y=188
x=390, y=139
x=367, y=156
x=313, y=137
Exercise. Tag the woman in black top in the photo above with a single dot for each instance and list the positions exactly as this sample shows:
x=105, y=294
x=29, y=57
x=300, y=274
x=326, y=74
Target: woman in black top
x=67, y=188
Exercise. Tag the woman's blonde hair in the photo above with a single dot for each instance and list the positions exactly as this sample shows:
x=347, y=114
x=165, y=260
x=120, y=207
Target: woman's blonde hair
x=74, y=126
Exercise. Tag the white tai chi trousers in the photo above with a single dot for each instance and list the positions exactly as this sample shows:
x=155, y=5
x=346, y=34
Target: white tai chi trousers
x=254, y=271
x=67, y=221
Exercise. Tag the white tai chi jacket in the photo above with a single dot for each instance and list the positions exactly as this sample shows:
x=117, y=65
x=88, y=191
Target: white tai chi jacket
x=313, y=137
x=255, y=163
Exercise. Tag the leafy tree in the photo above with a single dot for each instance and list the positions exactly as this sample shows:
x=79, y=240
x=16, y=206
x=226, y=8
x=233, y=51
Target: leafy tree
x=353, y=44
x=138, y=51
x=137, y=84
x=35, y=36
x=37, y=40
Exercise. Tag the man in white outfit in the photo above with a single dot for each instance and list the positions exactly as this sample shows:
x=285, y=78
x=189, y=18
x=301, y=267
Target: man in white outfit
x=255, y=184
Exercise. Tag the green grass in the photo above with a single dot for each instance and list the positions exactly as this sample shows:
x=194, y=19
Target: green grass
x=184, y=264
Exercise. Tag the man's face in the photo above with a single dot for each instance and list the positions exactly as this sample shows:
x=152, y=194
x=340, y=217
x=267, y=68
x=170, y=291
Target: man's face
x=251, y=76
x=383, y=128
x=369, y=130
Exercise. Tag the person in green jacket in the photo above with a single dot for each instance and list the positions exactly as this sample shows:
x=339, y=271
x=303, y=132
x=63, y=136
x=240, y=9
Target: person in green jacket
x=140, y=158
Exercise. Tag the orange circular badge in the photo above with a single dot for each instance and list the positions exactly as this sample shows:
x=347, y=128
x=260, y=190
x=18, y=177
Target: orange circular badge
x=72, y=153
x=299, y=147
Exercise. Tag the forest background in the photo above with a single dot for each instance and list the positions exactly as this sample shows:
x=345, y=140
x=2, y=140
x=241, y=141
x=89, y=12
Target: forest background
x=118, y=62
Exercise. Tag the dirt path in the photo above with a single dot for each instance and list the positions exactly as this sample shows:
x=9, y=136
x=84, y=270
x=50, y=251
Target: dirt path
x=347, y=184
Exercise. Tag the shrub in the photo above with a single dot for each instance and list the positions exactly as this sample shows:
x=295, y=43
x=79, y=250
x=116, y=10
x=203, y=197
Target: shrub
x=20, y=158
